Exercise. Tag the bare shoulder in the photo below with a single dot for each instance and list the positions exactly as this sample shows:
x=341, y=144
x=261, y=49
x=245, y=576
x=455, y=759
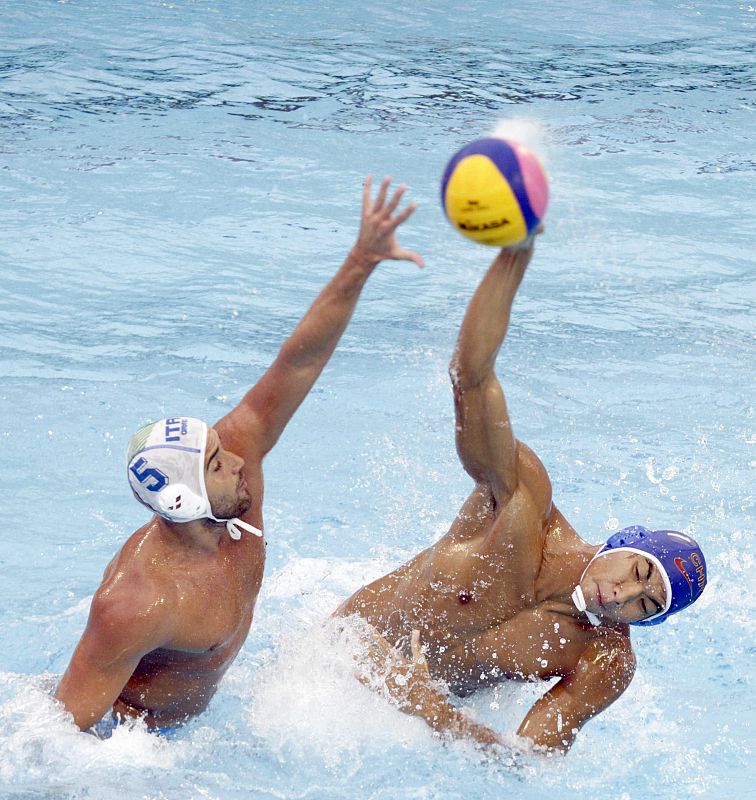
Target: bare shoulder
x=132, y=603
x=241, y=430
x=607, y=664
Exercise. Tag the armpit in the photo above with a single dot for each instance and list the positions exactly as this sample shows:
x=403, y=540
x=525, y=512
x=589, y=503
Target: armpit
x=533, y=475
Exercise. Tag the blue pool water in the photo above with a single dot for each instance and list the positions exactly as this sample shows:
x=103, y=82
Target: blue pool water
x=178, y=180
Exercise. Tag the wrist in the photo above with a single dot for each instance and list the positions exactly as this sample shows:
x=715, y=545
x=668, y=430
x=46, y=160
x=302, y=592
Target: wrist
x=363, y=259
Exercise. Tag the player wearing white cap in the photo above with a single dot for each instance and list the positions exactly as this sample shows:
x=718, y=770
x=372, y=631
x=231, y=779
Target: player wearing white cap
x=176, y=602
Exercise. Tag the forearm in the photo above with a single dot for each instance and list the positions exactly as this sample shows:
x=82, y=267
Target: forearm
x=443, y=717
x=266, y=409
x=384, y=669
x=414, y=693
x=315, y=338
x=548, y=732
x=86, y=704
x=487, y=320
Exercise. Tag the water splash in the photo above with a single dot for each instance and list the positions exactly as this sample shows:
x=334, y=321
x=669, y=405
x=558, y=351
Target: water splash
x=528, y=131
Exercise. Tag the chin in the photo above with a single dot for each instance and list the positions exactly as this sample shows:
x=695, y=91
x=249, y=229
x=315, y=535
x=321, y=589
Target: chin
x=234, y=508
x=245, y=503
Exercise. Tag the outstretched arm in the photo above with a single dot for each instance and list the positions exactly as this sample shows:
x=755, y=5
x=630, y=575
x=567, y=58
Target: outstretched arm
x=267, y=408
x=485, y=442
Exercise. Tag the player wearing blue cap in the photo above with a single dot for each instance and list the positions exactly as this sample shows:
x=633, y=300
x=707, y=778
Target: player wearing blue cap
x=176, y=603
x=512, y=591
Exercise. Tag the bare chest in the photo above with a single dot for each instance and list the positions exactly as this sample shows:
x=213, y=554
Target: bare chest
x=214, y=606
x=534, y=643
x=469, y=591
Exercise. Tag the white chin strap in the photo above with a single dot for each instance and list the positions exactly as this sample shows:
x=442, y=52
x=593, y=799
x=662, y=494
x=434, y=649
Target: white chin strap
x=580, y=605
x=233, y=527
x=179, y=503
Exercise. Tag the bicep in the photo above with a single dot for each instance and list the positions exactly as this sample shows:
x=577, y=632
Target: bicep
x=256, y=424
x=485, y=442
x=102, y=664
x=603, y=673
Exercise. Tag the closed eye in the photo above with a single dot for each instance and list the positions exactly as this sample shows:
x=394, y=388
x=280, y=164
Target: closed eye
x=212, y=455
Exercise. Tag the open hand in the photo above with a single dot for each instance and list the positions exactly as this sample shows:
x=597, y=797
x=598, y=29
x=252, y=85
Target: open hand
x=377, y=237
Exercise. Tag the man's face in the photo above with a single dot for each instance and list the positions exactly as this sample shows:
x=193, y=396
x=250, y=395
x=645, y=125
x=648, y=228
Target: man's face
x=224, y=480
x=623, y=587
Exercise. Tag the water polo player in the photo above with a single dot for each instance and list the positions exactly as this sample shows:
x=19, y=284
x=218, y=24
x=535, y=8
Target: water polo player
x=512, y=591
x=176, y=603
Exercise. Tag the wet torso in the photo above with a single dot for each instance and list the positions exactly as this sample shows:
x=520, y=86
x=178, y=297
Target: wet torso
x=210, y=598
x=476, y=597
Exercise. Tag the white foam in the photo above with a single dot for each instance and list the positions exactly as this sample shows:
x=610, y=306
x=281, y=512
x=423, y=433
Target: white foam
x=44, y=751
x=530, y=132
x=307, y=700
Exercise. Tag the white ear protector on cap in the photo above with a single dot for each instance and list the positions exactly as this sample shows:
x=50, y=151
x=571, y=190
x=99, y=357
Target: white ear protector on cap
x=179, y=503
x=166, y=469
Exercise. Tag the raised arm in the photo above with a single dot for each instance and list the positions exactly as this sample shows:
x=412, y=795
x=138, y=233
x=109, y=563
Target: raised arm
x=270, y=404
x=114, y=641
x=485, y=442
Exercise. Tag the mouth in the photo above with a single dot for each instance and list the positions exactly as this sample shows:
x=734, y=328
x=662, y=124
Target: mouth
x=242, y=484
x=599, y=597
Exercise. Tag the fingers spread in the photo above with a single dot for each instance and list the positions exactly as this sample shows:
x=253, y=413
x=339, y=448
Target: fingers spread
x=381, y=199
x=408, y=255
x=404, y=215
x=391, y=207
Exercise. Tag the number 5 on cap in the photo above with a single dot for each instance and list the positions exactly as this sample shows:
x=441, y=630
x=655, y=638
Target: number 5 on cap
x=160, y=478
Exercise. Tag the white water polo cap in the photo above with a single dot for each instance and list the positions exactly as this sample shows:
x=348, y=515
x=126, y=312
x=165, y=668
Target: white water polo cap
x=165, y=463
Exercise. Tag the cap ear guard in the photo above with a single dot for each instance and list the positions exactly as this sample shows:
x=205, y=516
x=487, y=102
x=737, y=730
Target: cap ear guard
x=579, y=600
x=178, y=503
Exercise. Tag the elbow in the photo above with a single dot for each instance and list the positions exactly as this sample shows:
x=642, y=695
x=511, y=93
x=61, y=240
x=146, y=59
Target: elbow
x=462, y=376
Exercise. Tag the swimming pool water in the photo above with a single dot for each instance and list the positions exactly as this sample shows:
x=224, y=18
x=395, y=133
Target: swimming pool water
x=178, y=180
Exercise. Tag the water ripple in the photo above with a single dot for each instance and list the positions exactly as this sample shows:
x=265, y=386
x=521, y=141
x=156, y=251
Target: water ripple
x=399, y=81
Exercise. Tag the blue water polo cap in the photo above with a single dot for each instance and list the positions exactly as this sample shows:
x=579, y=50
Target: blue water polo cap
x=676, y=555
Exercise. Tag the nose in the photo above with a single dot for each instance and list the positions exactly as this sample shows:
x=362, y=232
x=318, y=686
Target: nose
x=239, y=465
x=625, y=593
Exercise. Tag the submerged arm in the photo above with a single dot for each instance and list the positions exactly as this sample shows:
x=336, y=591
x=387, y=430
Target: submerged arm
x=409, y=686
x=111, y=647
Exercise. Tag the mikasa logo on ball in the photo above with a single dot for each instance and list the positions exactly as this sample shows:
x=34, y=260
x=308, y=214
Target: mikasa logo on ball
x=486, y=226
